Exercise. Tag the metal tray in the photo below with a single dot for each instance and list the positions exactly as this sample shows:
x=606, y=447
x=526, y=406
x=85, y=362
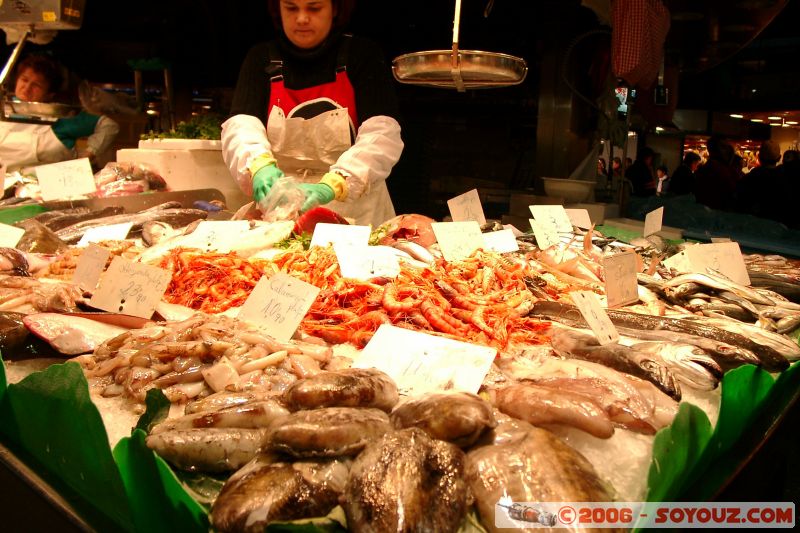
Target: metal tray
x=41, y=109
x=477, y=69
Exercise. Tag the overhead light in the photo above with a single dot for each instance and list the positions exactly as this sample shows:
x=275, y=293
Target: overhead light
x=792, y=122
x=756, y=120
x=659, y=129
x=736, y=115
x=773, y=118
x=776, y=124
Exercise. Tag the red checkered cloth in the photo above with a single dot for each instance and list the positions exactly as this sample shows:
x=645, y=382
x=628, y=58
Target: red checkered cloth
x=638, y=31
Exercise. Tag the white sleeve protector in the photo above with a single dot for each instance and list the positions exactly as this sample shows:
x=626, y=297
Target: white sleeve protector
x=243, y=138
x=105, y=131
x=377, y=149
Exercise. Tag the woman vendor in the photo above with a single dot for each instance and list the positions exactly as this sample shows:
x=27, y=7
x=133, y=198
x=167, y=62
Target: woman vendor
x=24, y=145
x=319, y=106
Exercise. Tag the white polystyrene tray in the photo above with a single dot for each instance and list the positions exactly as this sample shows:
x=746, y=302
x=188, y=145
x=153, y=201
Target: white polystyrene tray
x=180, y=144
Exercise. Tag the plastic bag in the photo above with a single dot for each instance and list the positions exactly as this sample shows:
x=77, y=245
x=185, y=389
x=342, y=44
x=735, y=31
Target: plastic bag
x=120, y=179
x=283, y=202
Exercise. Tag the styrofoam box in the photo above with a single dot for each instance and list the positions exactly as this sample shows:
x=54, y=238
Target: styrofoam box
x=187, y=164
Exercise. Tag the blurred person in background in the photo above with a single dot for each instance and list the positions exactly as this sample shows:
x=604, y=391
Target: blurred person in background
x=716, y=180
x=641, y=174
x=682, y=180
x=318, y=105
x=757, y=191
x=39, y=79
x=663, y=184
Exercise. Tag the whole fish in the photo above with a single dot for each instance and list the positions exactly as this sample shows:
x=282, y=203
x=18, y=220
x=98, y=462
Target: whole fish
x=60, y=219
x=539, y=467
x=780, y=284
x=71, y=335
x=576, y=344
x=720, y=283
x=176, y=217
x=690, y=364
x=769, y=358
x=781, y=344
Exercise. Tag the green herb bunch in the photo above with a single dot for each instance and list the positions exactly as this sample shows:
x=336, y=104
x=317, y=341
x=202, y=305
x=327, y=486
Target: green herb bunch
x=207, y=126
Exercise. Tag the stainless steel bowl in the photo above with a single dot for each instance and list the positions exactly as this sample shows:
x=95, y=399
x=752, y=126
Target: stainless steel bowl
x=41, y=109
x=477, y=69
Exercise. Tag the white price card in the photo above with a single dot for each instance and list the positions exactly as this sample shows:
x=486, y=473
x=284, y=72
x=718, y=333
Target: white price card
x=652, y=221
x=10, y=235
x=420, y=363
x=110, y=232
x=502, y=241
x=620, y=276
x=216, y=235
x=580, y=218
x=130, y=288
x=458, y=240
x=366, y=262
x=91, y=264
x=67, y=179
x=466, y=207
x=724, y=257
x=589, y=306
x=546, y=234
x=326, y=234
x=513, y=229
x=554, y=215
x=278, y=304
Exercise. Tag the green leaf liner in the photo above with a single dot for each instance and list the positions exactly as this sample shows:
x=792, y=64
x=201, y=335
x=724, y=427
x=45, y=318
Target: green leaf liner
x=156, y=409
x=49, y=418
x=692, y=463
x=157, y=498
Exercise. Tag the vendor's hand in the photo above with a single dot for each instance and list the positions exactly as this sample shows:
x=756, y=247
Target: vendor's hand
x=264, y=179
x=316, y=194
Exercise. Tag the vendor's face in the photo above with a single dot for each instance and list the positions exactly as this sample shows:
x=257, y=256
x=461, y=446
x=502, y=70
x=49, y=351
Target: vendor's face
x=32, y=87
x=307, y=22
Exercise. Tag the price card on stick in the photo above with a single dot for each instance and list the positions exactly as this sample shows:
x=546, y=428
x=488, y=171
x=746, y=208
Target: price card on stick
x=278, y=304
x=67, y=179
x=580, y=218
x=554, y=215
x=110, y=232
x=724, y=257
x=502, y=241
x=91, y=264
x=589, y=306
x=545, y=233
x=326, y=234
x=10, y=235
x=466, y=207
x=130, y=288
x=458, y=240
x=366, y=262
x=620, y=275
x=652, y=221
x=421, y=363
x=215, y=234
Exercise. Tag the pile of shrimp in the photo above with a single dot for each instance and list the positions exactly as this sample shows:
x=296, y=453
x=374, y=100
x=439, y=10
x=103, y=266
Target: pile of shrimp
x=483, y=299
x=210, y=282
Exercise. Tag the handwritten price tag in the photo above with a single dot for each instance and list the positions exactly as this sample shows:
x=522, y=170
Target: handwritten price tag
x=10, y=235
x=421, y=363
x=589, y=306
x=278, y=304
x=502, y=241
x=580, y=218
x=458, y=240
x=466, y=207
x=652, y=221
x=215, y=235
x=366, y=262
x=724, y=257
x=130, y=288
x=545, y=233
x=91, y=264
x=621, y=282
x=326, y=234
x=554, y=215
x=68, y=179
x=111, y=232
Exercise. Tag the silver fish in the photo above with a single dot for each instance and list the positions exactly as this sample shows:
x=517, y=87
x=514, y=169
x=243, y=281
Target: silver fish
x=716, y=281
x=788, y=324
x=690, y=364
x=781, y=344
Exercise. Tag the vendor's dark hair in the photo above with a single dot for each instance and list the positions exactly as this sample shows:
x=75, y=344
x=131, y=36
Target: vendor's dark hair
x=343, y=9
x=45, y=66
x=691, y=157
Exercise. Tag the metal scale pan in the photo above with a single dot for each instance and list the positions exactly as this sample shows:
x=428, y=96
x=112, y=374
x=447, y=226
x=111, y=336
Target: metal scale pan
x=459, y=69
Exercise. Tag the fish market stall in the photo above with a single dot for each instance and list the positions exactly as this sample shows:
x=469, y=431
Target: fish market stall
x=429, y=376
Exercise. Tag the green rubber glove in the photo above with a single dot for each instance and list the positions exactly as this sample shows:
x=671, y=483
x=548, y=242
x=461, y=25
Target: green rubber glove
x=264, y=179
x=316, y=194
